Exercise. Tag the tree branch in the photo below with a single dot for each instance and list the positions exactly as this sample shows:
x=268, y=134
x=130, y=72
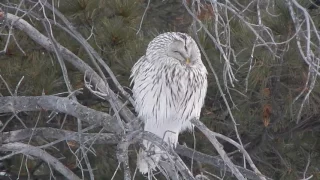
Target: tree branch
x=214, y=161
x=212, y=138
x=67, y=55
x=39, y=153
x=107, y=138
x=60, y=104
x=52, y=133
x=91, y=52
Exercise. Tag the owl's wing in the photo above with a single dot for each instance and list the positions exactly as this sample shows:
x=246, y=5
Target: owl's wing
x=136, y=68
x=144, y=87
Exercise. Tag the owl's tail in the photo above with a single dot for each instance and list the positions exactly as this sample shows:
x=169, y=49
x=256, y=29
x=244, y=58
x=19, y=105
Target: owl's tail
x=148, y=159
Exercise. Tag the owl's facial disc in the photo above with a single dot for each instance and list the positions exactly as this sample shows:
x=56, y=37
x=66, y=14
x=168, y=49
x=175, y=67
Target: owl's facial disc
x=180, y=51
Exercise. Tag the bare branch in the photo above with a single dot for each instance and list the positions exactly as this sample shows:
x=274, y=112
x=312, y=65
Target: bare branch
x=59, y=104
x=39, y=153
x=219, y=148
x=214, y=161
x=73, y=59
x=91, y=52
x=212, y=138
x=52, y=133
x=107, y=138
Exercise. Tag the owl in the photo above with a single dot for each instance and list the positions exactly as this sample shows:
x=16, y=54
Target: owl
x=169, y=88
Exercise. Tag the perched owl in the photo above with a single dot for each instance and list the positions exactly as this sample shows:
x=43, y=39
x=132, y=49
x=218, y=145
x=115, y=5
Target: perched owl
x=169, y=87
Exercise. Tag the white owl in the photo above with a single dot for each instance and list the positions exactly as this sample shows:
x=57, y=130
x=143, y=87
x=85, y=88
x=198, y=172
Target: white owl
x=170, y=84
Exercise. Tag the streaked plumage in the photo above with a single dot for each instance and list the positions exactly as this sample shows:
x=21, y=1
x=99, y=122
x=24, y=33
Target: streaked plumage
x=170, y=83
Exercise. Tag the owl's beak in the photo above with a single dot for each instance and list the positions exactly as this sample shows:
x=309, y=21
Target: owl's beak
x=188, y=61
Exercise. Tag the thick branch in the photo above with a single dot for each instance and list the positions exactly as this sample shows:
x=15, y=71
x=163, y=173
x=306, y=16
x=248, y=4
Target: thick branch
x=39, y=153
x=59, y=104
x=52, y=133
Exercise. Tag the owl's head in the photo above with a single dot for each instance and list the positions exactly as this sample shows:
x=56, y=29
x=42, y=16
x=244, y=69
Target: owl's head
x=175, y=47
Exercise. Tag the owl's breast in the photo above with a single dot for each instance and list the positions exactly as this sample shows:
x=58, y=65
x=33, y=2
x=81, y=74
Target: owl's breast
x=169, y=94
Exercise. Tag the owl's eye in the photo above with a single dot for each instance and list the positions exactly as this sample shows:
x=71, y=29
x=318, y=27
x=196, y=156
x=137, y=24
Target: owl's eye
x=178, y=53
